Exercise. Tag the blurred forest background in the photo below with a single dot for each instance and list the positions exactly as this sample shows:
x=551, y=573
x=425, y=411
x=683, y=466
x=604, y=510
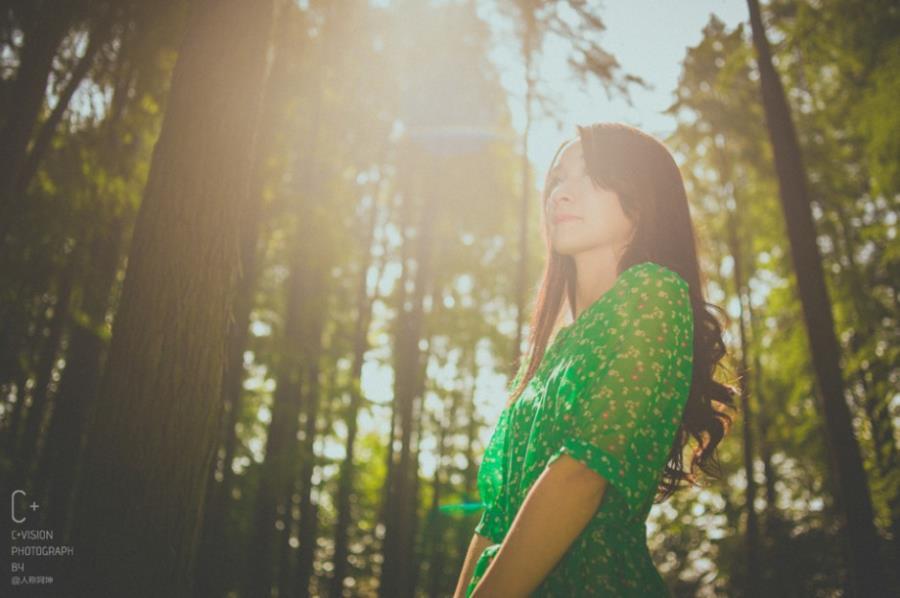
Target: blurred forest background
x=259, y=260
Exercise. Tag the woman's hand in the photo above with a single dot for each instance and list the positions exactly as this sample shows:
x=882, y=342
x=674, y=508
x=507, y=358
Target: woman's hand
x=476, y=547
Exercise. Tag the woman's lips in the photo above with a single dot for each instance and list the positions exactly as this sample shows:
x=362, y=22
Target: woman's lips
x=565, y=218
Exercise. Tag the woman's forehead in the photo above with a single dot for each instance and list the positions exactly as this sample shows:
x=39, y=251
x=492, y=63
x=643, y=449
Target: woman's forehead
x=570, y=156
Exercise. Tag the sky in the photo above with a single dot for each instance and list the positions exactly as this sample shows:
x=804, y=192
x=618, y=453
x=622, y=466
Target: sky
x=648, y=38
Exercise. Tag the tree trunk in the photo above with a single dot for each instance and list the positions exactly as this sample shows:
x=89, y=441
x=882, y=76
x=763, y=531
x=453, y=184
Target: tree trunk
x=259, y=575
x=387, y=495
x=152, y=433
x=735, y=247
x=874, y=406
x=14, y=324
x=309, y=524
x=470, y=474
x=37, y=412
x=212, y=553
x=525, y=206
x=402, y=294
x=27, y=92
x=751, y=539
x=80, y=381
x=99, y=35
x=772, y=517
x=277, y=469
x=417, y=544
x=211, y=561
x=364, y=305
x=398, y=542
x=436, y=531
x=23, y=352
x=861, y=548
x=11, y=431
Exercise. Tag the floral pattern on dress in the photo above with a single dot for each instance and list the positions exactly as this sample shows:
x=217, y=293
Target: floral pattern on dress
x=609, y=392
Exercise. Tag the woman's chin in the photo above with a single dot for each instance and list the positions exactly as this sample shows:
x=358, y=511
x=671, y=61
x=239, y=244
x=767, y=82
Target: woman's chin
x=564, y=248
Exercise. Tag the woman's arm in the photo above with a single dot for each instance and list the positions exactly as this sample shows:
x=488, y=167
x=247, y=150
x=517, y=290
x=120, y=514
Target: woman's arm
x=557, y=508
x=476, y=547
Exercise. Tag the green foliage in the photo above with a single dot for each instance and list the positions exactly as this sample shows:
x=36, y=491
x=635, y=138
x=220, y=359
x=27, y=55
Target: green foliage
x=728, y=171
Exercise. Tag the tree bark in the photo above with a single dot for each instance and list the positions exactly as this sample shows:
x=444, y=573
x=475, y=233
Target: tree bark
x=212, y=553
x=865, y=564
x=398, y=542
x=221, y=475
x=152, y=434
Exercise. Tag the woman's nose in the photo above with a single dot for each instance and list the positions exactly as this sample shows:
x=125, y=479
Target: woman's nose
x=560, y=197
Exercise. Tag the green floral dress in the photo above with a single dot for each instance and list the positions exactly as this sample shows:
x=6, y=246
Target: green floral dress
x=610, y=392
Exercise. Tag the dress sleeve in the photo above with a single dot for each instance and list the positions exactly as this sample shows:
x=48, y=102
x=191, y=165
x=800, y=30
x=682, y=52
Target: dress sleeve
x=623, y=400
x=491, y=483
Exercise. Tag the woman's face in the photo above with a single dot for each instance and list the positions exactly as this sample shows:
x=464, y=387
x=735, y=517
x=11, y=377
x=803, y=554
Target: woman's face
x=580, y=215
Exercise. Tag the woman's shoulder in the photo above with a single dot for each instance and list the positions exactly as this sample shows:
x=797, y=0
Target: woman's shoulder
x=650, y=294
x=645, y=289
x=648, y=290
x=649, y=273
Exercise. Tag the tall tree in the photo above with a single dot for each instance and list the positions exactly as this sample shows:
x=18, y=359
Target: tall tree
x=43, y=31
x=867, y=576
x=37, y=411
x=297, y=390
x=212, y=553
x=78, y=387
x=364, y=304
x=398, y=541
x=736, y=243
x=152, y=433
x=100, y=32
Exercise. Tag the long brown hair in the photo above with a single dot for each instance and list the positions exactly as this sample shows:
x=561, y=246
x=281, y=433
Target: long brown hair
x=642, y=172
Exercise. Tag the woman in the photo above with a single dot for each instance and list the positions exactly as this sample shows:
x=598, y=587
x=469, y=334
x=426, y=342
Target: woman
x=595, y=424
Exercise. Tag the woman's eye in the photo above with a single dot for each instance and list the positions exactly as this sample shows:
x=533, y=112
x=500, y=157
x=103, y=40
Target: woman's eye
x=553, y=182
